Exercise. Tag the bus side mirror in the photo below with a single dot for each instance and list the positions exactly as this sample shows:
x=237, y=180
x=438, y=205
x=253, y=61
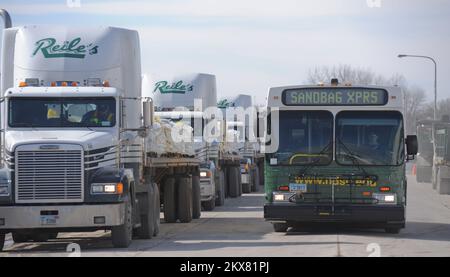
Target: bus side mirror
x=412, y=146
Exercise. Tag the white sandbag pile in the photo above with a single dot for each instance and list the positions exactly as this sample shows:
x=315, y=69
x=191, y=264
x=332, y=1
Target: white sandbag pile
x=170, y=138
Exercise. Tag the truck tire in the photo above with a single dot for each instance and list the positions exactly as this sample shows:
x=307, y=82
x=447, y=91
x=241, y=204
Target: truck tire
x=157, y=210
x=196, y=198
x=220, y=200
x=184, y=206
x=147, y=228
x=2, y=242
x=280, y=227
x=233, y=182
x=238, y=173
x=256, y=180
x=19, y=237
x=209, y=205
x=170, y=207
x=122, y=235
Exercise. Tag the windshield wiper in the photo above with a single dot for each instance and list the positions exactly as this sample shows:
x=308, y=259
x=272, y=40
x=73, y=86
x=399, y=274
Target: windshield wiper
x=353, y=157
x=316, y=161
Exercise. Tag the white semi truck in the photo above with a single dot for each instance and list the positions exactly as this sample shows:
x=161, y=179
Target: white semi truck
x=252, y=161
x=74, y=138
x=186, y=98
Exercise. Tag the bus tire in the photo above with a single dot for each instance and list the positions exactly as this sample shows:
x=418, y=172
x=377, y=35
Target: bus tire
x=392, y=230
x=157, y=210
x=147, y=228
x=220, y=200
x=280, y=227
x=122, y=235
x=19, y=237
x=170, y=208
x=185, y=199
x=196, y=201
x=2, y=242
x=233, y=183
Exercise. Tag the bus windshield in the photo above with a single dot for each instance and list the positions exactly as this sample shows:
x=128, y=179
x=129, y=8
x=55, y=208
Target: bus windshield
x=305, y=137
x=369, y=138
x=62, y=112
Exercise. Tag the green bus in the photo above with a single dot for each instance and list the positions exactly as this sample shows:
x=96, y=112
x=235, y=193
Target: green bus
x=336, y=153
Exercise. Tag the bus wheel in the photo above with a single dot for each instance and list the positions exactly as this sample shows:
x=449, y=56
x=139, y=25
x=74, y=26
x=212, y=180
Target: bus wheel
x=280, y=227
x=392, y=230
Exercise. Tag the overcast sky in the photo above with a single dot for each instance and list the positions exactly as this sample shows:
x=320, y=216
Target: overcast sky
x=251, y=45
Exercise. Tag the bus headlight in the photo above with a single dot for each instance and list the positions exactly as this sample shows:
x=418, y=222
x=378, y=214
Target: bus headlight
x=385, y=198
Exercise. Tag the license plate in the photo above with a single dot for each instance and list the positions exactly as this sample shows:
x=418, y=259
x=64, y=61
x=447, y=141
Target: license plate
x=48, y=219
x=297, y=187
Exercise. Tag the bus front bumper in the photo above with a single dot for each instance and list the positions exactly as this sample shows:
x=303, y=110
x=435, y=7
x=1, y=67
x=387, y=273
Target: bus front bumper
x=357, y=214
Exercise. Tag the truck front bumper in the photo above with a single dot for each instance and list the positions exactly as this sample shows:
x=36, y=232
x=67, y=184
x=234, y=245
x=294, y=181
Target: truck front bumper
x=207, y=190
x=358, y=214
x=63, y=216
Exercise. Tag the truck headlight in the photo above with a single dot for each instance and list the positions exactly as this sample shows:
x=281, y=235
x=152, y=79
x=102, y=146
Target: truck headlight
x=203, y=174
x=281, y=197
x=4, y=190
x=107, y=188
x=385, y=198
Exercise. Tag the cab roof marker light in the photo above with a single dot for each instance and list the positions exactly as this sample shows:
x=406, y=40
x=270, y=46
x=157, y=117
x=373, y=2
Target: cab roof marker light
x=64, y=84
x=106, y=83
x=53, y=84
x=23, y=84
x=74, y=84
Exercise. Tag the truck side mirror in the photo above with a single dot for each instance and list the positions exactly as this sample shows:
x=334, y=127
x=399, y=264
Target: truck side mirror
x=412, y=146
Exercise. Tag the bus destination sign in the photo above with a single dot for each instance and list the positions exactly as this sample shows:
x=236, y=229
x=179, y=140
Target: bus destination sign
x=335, y=97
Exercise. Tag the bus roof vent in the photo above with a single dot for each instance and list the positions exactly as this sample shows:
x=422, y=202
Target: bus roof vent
x=334, y=82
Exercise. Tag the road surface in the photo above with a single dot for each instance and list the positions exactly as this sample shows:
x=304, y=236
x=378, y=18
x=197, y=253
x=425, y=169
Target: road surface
x=238, y=229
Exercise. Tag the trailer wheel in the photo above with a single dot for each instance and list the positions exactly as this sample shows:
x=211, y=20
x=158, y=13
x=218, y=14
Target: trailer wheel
x=157, y=210
x=147, y=228
x=185, y=199
x=209, y=205
x=233, y=182
x=220, y=200
x=280, y=227
x=2, y=242
x=170, y=210
x=121, y=235
x=196, y=201
x=256, y=180
x=19, y=237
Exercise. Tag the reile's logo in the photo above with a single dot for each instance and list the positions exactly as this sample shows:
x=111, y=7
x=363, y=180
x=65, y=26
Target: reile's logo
x=69, y=49
x=176, y=87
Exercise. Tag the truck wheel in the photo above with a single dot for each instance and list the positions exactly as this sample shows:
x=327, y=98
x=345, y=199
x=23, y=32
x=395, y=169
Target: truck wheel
x=196, y=201
x=220, y=200
x=233, y=182
x=157, y=210
x=238, y=174
x=209, y=205
x=185, y=199
x=246, y=188
x=280, y=227
x=256, y=181
x=170, y=210
x=147, y=228
x=122, y=235
x=2, y=242
x=19, y=237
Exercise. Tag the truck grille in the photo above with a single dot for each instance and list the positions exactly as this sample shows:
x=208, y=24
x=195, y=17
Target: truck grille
x=49, y=176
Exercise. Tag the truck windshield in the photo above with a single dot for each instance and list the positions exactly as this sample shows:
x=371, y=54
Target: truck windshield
x=305, y=137
x=370, y=138
x=62, y=112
